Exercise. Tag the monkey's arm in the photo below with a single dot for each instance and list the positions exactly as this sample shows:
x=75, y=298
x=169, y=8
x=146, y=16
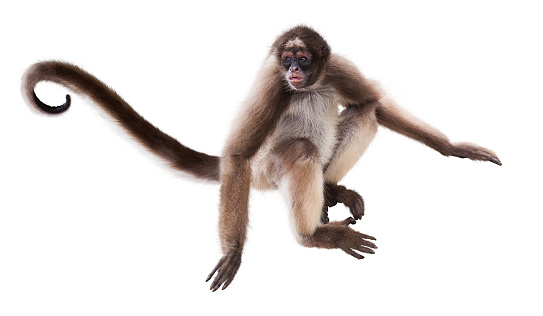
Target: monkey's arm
x=233, y=218
x=398, y=120
x=257, y=120
x=355, y=89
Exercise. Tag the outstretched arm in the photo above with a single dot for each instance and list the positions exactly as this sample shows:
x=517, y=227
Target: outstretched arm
x=356, y=90
x=400, y=121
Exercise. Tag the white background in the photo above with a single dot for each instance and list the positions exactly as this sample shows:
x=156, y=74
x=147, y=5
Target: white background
x=91, y=224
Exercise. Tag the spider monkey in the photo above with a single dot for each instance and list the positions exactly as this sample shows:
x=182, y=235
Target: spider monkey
x=290, y=136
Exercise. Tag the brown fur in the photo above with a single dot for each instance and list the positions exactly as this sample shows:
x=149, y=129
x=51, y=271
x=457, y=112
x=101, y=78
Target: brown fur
x=398, y=120
x=179, y=156
x=289, y=135
x=233, y=218
x=339, y=235
x=334, y=194
x=349, y=82
x=316, y=44
x=258, y=117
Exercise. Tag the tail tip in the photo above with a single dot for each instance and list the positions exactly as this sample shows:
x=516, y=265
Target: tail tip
x=52, y=109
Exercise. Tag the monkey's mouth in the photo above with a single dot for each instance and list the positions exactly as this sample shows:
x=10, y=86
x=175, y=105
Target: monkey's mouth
x=295, y=78
x=296, y=81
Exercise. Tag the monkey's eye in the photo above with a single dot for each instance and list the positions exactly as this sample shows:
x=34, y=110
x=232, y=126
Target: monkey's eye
x=286, y=62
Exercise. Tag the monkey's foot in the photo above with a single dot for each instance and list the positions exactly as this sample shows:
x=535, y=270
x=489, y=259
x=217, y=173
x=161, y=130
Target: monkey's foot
x=474, y=152
x=340, y=235
x=226, y=270
x=334, y=193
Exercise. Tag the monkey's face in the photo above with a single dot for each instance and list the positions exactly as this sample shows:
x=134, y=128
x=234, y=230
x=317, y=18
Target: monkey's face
x=299, y=68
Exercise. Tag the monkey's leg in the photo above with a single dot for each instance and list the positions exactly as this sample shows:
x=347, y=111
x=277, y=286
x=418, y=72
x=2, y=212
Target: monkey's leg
x=300, y=179
x=356, y=130
x=298, y=173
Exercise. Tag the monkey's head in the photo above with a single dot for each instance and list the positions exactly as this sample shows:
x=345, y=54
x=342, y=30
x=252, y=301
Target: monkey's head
x=302, y=54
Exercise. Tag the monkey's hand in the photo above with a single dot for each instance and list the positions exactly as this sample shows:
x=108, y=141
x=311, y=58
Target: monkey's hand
x=353, y=201
x=474, y=152
x=226, y=270
x=350, y=240
x=334, y=194
x=340, y=235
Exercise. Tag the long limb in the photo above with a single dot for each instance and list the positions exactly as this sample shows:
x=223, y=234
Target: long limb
x=233, y=219
x=298, y=173
x=355, y=89
x=398, y=120
x=259, y=117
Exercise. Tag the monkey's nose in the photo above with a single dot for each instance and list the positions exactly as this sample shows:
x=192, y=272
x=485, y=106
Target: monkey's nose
x=294, y=68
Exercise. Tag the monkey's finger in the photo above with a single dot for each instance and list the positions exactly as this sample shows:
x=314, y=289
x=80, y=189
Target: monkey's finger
x=364, y=236
x=231, y=277
x=325, y=219
x=227, y=283
x=216, y=284
x=495, y=160
x=216, y=268
x=215, y=288
x=218, y=281
x=209, y=276
x=358, y=240
x=348, y=221
x=324, y=215
x=358, y=211
x=358, y=208
x=357, y=214
x=226, y=277
x=353, y=253
x=367, y=243
x=226, y=272
x=222, y=276
x=364, y=249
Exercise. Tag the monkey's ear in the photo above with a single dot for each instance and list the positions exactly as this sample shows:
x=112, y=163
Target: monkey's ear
x=325, y=53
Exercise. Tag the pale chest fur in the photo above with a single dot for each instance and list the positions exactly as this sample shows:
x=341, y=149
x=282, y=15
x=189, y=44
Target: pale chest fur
x=311, y=115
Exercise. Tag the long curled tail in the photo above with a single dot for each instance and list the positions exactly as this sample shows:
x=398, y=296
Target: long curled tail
x=180, y=157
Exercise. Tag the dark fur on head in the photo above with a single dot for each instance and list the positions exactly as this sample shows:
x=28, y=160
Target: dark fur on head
x=316, y=44
x=302, y=39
